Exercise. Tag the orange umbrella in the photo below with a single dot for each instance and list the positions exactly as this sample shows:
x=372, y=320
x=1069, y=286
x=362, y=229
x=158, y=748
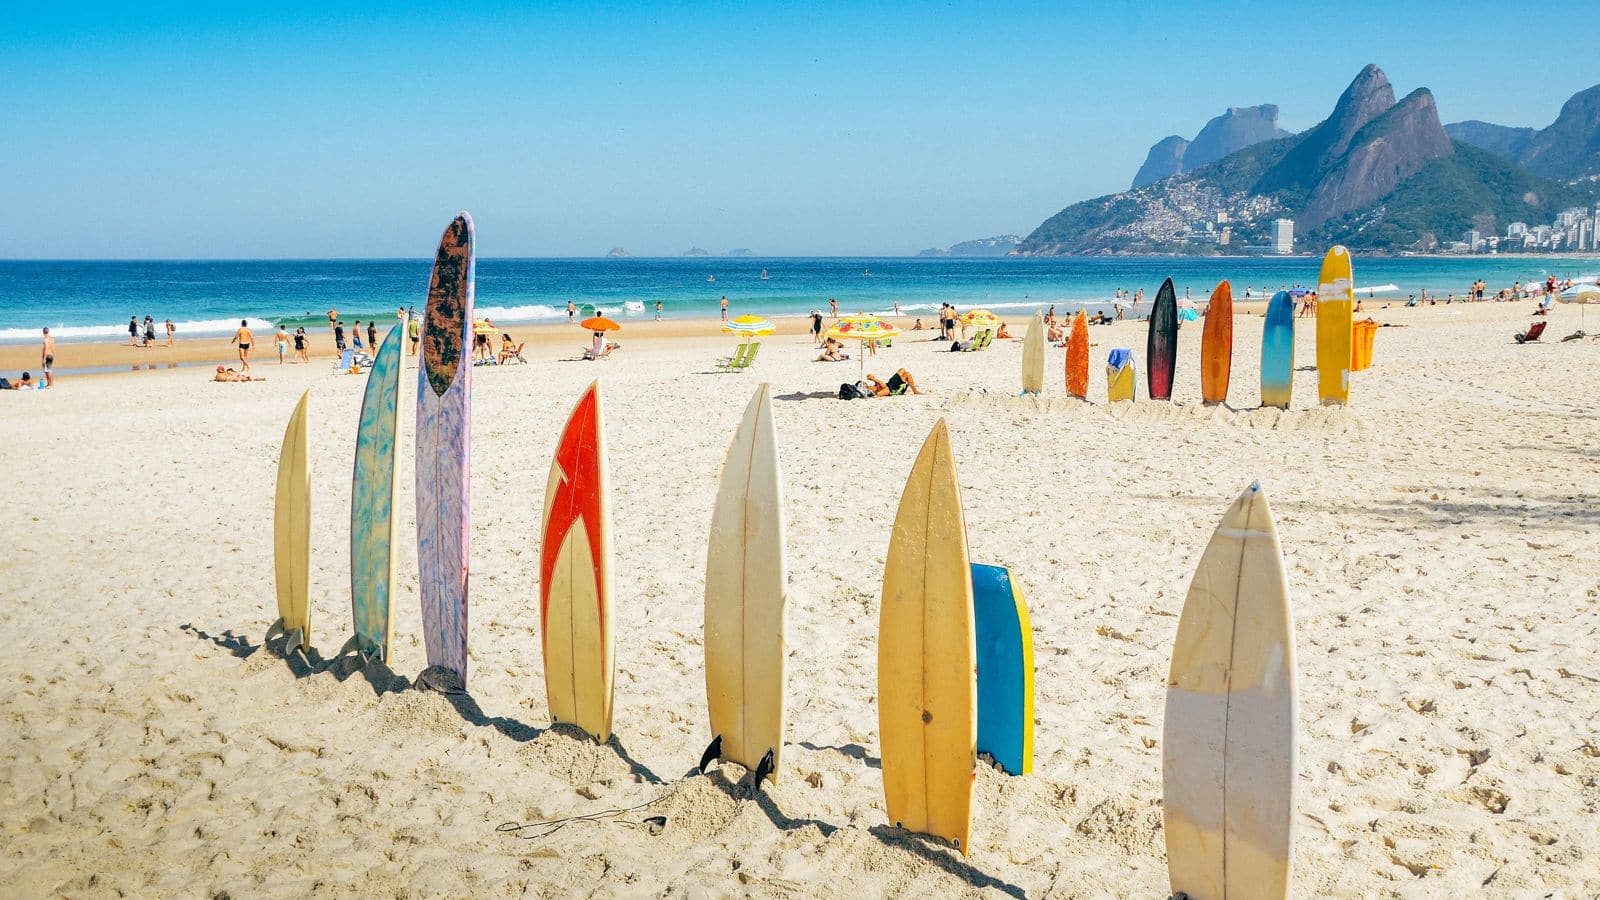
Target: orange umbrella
x=599, y=323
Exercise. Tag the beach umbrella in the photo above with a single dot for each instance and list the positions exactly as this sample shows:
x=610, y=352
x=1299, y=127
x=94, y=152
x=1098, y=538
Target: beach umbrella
x=599, y=323
x=1582, y=296
x=862, y=327
x=980, y=319
x=482, y=326
x=749, y=326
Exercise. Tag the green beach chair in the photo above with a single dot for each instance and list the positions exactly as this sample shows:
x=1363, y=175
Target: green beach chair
x=738, y=360
x=750, y=358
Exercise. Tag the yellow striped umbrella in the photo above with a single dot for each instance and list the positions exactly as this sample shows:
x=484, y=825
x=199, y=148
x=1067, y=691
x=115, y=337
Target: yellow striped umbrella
x=980, y=319
x=865, y=328
x=749, y=326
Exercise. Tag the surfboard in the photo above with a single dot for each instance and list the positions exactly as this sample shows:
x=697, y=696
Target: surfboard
x=746, y=585
x=1161, y=347
x=575, y=609
x=1033, y=356
x=1005, y=669
x=927, y=683
x=1078, y=357
x=1336, y=301
x=373, y=517
x=1277, y=352
x=444, y=433
x=1120, y=378
x=1229, y=747
x=291, y=530
x=1216, y=346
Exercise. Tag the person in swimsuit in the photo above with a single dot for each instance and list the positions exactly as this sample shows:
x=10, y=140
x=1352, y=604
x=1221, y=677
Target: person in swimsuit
x=414, y=329
x=133, y=331
x=47, y=358
x=149, y=332
x=898, y=383
x=171, y=329
x=355, y=336
x=243, y=339
x=282, y=340
x=301, y=344
x=724, y=307
x=338, y=336
x=572, y=309
x=372, y=336
x=333, y=319
x=816, y=327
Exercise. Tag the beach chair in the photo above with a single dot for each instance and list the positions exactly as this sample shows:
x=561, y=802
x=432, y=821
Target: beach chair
x=736, y=361
x=588, y=352
x=516, y=355
x=982, y=340
x=1532, y=334
x=750, y=358
x=345, y=361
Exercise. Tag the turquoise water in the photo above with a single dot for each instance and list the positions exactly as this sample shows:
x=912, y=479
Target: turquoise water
x=93, y=300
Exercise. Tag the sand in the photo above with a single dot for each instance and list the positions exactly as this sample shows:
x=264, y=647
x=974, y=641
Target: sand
x=1440, y=538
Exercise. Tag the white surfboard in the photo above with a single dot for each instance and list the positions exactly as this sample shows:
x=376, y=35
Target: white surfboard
x=1228, y=763
x=1033, y=356
x=746, y=587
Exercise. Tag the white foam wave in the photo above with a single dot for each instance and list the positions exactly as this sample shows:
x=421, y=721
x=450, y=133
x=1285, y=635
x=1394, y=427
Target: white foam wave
x=530, y=313
x=120, y=331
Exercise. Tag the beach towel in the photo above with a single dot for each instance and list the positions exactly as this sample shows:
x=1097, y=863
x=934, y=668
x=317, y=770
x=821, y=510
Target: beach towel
x=1119, y=358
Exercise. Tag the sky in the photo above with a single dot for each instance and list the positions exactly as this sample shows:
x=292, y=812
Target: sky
x=158, y=130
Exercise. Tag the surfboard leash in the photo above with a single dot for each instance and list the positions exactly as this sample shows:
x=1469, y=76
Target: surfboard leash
x=654, y=824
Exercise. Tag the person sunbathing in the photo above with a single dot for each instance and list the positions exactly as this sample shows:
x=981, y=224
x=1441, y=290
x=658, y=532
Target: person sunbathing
x=230, y=375
x=508, y=349
x=898, y=383
x=24, y=384
x=917, y=326
x=832, y=351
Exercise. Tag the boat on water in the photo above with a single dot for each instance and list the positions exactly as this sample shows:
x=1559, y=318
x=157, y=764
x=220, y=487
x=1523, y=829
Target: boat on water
x=866, y=273
x=763, y=274
x=710, y=278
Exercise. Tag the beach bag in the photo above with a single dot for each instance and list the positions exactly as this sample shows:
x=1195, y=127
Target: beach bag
x=848, y=391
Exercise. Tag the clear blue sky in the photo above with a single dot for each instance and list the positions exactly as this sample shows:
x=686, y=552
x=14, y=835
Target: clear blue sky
x=290, y=130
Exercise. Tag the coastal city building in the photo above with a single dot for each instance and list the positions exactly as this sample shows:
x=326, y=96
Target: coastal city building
x=1283, y=236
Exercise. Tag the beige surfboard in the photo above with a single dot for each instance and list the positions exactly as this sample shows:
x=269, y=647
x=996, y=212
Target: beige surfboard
x=1033, y=356
x=927, y=654
x=1228, y=764
x=291, y=530
x=746, y=587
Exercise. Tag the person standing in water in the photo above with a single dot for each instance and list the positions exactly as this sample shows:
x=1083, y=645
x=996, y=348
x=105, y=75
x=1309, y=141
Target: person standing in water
x=833, y=307
x=243, y=339
x=572, y=310
x=658, y=311
x=724, y=307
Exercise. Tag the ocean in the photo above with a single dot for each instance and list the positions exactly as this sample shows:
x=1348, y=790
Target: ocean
x=93, y=300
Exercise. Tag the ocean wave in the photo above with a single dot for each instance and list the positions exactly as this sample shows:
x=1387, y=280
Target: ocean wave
x=529, y=313
x=120, y=331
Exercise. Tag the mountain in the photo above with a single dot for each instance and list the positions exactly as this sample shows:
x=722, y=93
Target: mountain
x=1566, y=150
x=994, y=246
x=1376, y=173
x=695, y=251
x=740, y=251
x=618, y=253
x=1234, y=130
x=1501, y=140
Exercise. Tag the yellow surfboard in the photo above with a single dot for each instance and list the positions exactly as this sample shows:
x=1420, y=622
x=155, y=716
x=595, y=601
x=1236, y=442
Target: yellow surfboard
x=927, y=654
x=746, y=583
x=291, y=530
x=1336, y=300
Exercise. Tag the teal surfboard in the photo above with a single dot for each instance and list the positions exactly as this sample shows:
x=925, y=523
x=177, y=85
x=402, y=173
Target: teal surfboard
x=1277, y=352
x=372, y=508
x=1005, y=669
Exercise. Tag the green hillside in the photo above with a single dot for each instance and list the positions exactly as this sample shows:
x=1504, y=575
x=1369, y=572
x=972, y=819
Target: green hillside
x=1450, y=195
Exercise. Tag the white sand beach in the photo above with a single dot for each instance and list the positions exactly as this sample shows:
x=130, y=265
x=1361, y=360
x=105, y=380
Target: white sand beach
x=1442, y=539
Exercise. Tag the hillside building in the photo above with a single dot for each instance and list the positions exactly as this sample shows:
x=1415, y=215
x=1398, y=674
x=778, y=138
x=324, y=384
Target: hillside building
x=1283, y=236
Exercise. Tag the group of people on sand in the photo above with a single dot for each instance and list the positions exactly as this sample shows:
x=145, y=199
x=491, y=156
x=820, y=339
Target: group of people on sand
x=145, y=335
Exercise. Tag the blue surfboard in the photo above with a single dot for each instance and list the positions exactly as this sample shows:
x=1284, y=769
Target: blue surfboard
x=1005, y=669
x=1277, y=352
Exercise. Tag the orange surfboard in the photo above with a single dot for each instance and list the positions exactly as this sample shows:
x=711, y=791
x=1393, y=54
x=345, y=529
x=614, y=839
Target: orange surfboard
x=1216, y=346
x=1078, y=357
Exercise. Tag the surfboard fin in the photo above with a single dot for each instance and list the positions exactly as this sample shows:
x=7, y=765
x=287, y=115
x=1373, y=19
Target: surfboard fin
x=713, y=754
x=765, y=769
x=296, y=641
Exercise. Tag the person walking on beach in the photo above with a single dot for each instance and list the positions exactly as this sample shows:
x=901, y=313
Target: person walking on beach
x=149, y=332
x=333, y=319
x=338, y=336
x=414, y=331
x=355, y=337
x=724, y=307
x=282, y=340
x=171, y=330
x=243, y=339
x=816, y=327
x=658, y=312
x=133, y=331
x=833, y=307
x=572, y=310
x=897, y=309
x=302, y=343
x=372, y=336
x=47, y=359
